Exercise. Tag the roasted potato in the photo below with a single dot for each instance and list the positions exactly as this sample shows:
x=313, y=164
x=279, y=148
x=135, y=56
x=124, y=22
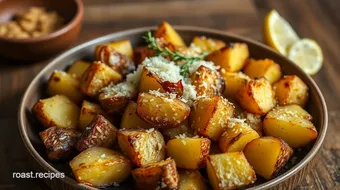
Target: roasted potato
x=88, y=111
x=122, y=46
x=161, y=111
x=191, y=180
x=207, y=44
x=140, y=53
x=236, y=136
x=58, y=111
x=267, y=155
x=257, y=96
x=141, y=146
x=210, y=115
x=207, y=82
x=229, y=171
x=166, y=32
x=196, y=151
x=182, y=129
x=263, y=68
x=292, y=124
x=66, y=84
x=78, y=68
x=291, y=90
x=100, y=132
x=131, y=120
x=233, y=83
x=100, y=167
x=254, y=121
x=231, y=58
x=161, y=175
x=59, y=142
x=97, y=76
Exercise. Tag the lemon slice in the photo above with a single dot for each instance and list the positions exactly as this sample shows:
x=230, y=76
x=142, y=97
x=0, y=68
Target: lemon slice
x=278, y=33
x=307, y=54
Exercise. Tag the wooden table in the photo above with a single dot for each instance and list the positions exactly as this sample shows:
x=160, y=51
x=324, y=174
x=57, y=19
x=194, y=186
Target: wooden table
x=316, y=19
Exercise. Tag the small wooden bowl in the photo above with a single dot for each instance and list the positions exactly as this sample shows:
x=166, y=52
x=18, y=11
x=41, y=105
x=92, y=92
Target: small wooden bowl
x=39, y=48
x=292, y=175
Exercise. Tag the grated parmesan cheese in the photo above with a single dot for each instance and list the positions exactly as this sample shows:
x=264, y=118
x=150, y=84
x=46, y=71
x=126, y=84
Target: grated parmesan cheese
x=122, y=89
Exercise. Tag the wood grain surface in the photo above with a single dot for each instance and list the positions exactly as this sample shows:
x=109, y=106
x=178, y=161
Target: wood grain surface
x=316, y=19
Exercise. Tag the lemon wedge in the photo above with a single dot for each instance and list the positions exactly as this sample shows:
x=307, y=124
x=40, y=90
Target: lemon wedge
x=307, y=54
x=278, y=33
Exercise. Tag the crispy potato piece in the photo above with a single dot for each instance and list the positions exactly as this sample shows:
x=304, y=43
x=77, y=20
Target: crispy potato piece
x=191, y=180
x=88, y=111
x=166, y=32
x=231, y=58
x=182, y=129
x=257, y=96
x=254, y=121
x=100, y=132
x=292, y=124
x=291, y=90
x=210, y=115
x=122, y=46
x=207, y=44
x=100, y=167
x=63, y=83
x=141, y=146
x=207, y=82
x=267, y=155
x=97, y=76
x=233, y=83
x=161, y=111
x=229, y=171
x=78, y=68
x=263, y=68
x=57, y=111
x=59, y=142
x=131, y=120
x=140, y=53
x=236, y=136
x=196, y=151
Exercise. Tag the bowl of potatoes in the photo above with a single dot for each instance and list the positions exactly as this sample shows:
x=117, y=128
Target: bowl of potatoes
x=173, y=108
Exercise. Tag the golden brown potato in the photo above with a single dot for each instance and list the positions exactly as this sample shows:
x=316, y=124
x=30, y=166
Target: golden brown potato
x=257, y=96
x=189, y=153
x=254, y=121
x=182, y=129
x=191, y=180
x=78, y=68
x=141, y=146
x=122, y=46
x=291, y=90
x=100, y=167
x=88, y=111
x=57, y=111
x=97, y=76
x=207, y=44
x=66, y=84
x=236, y=136
x=140, y=53
x=131, y=120
x=267, y=155
x=207, y=82
x=161, y=111
x=229, y=171
x=210, y=115
x=292, y=124
x=233, y=83
x=263, y=68
x=166, y=32
x=231, y=58
x=161, y=175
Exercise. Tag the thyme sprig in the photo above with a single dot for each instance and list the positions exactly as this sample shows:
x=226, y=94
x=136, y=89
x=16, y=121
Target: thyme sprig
x=176, y=56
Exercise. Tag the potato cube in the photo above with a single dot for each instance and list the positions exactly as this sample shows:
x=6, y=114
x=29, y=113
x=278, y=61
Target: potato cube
x=100, y=132
x=257, y=96
x=59, y=142
x=196, y=151
x=160, y=110
x=100, y=167
x=207, y=44
x=292, y=124
x=254, y=121
x=57, y=111
x=97, y=76
x=207, y=82
x=88, y=111
x=291, y=90
x=143, y=147
x=210, y=115
x=166, y=32
x=267, y=155
x=140, y=53
x=229, y=171
x=231, y=58
x=78, y=68
x=236, y=136
x=233, y=83
x=182, y=129
x=122, y=46
x=131, y=120
x=160, y=175
x=191, y=180
x=65, y=84
x=263, y=68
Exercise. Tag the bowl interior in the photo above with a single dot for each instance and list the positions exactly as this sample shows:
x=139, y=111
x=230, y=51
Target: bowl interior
x=30, y=127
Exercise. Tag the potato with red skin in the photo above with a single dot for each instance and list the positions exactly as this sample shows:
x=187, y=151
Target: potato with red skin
x=59, y=142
